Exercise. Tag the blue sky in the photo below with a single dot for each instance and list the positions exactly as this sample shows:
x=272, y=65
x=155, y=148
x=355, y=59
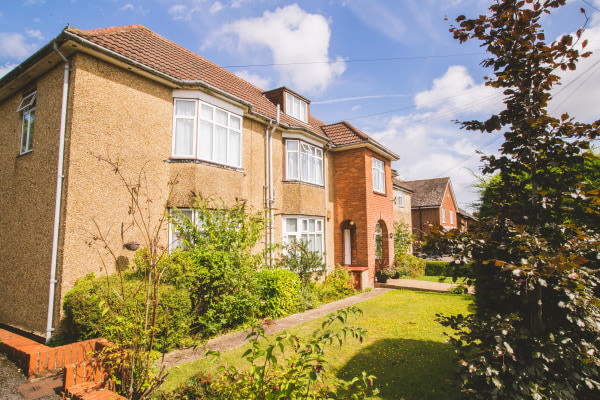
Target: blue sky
x=389, y=67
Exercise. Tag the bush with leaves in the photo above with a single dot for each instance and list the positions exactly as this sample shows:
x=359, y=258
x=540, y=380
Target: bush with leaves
x=218, y=264
x=536, y=332
x=289, y=367
x=403, y=238
x=85, y=316
x=279, y=292
x=409, y=265
x=308, y=265
x=337, y=285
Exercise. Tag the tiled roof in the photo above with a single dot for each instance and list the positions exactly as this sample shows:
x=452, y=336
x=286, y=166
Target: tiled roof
x=466, y=214
x=428, y=192
x=402, y=184
x=342, y=133
x=140, y=44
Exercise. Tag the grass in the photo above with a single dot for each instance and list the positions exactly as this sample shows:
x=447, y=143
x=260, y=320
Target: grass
x=404, y=348
x=436, y=278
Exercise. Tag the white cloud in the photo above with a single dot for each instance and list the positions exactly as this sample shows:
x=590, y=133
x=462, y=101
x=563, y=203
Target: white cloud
x=14, y=45
x=34, y=33
x=216, y=7
x=256, y=80
x=356, y=107
x=456, y=91
x=180, y=12
x=126, y=7
x=298, y=42
x=6, y=68
x=579, y=92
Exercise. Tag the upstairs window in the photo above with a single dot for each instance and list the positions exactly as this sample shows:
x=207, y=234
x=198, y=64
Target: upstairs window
x=304, y=162
x=443, y=216
x=296, y=108
x=206, y=132
x=27, y=107
x=378, y=176
x=400, y=199
x=451, y=217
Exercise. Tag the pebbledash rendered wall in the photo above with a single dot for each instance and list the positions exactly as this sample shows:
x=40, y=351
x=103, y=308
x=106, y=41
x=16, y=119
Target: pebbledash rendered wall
x=116, y=114
x=28, y=185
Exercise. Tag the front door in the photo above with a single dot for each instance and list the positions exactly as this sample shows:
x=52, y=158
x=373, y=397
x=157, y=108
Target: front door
x=347, y=247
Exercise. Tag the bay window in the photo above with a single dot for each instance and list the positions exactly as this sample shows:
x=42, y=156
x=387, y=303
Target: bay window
x=304, y=162
x=308, y=229
x=203, y=131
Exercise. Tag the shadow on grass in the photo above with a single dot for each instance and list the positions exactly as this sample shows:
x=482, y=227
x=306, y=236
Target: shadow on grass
x=407, y=369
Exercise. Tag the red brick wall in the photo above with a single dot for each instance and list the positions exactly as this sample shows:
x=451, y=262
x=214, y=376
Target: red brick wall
x=448, y=205
x=356, y=201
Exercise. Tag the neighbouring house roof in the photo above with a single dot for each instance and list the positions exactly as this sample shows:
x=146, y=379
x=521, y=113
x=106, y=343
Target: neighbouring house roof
x=344, y=134
x=466, y=214
x=402, y=185
x=428, y=192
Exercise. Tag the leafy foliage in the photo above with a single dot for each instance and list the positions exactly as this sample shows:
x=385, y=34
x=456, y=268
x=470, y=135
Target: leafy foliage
x=291, y=367
x=279, y=292
x=85, y=315
x=409, y=265
x=309, y=267
x=337, y=285
x=403, y=238
x=536, y=330
x=218, y=264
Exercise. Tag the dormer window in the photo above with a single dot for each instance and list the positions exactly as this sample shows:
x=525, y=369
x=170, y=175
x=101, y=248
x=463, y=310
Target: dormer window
x=296, y=107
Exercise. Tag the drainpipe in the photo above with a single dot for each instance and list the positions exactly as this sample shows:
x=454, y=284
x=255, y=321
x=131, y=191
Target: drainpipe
x=325, y=221
x=58, y=203
x=270, y=198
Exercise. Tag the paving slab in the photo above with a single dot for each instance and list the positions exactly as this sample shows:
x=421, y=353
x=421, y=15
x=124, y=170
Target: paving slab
x=15, y=386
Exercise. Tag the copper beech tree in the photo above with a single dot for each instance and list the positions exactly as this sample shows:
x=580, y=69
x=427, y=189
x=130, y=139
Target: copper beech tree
x=535, y=334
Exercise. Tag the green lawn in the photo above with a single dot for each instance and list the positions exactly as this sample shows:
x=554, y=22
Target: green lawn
x=404, y=348
x=436, y=278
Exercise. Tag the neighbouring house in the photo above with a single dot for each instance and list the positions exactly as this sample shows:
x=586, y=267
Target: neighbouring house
x=433, y=203
x=402, y=202
x=130, y=94
x=464, y=219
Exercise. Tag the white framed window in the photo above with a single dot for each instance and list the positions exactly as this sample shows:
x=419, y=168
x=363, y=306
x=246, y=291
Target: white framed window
x=27, y=107
x=177, y=215
x=451, y=217
x=206, y=132
x=308, y=229
x=378, y=236
x=304, y=162
x=296, y=107
x=378, y=175
x=400, y=199
x=443, y=216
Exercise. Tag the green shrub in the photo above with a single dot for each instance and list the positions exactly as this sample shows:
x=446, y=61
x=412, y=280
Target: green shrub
x=218, y=265
x=437, y=268
x=337, y=285
x=279, y=291
x=85, y=317
x=409, y=265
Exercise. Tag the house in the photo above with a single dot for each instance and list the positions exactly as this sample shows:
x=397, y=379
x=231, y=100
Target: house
x=402, y=202
x=464, y=219
x=433, y=203
x=130, y=94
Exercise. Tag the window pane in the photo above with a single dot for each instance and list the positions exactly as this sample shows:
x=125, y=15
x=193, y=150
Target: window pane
x=292, y=145
x=288, y=104
x=31, y=130
x=234, y=156
x=319, y=226
x=311, y=225
x=205, y=140
x=220, y=117
x=206, y=112
x=220, y=144
x=305, y=167
x=235, y=123
x=319, y=243
x=24, y=129
x=184, y=137
x=291, y=225
x=185, y=108
x=319, y=171
x=304, y=225
x=292, y=165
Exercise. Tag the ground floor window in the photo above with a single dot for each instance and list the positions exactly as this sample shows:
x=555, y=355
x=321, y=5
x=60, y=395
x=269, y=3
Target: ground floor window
x=378, y=242
x=177, y=216
x=308, y=229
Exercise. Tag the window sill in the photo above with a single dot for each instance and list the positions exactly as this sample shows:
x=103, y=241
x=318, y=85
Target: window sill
x=204, y=162
x=24, y=154
x=379, y=193
x=293, y=182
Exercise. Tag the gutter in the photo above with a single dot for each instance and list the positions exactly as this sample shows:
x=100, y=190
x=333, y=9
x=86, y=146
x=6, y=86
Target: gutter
x=59, y=183
x=325, y=222
x=269, y=130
